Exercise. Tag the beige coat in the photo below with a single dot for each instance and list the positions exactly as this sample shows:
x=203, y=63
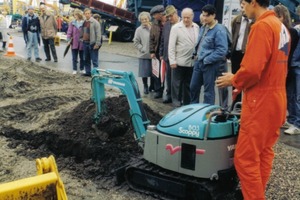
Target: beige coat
x=182, y=44
x=48, y=25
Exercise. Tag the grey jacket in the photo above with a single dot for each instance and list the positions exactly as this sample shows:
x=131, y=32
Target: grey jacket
x=141, y=42
x=181, y=45
x=95, y=32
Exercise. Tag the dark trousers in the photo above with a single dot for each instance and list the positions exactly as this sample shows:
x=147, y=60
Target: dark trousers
x=236, y=59
x=90, y=56
x=181, y=79
x=25, y=36
x=168, y=80
x=49, y=44
x=75, y=53
x=158, y=86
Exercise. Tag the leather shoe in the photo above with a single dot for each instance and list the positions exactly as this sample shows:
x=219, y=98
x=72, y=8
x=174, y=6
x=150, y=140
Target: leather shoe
x=167, y=101
x=47, y=59
x=157, y=95
x=146, y=91
x=86, y=74
x=151, y=88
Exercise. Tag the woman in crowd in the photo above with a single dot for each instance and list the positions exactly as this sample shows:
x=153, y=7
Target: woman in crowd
x=73, y=35
x=292, y=82
x=141, y=42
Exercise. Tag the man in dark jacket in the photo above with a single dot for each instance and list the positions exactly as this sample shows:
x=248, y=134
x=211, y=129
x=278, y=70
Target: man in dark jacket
x=173, y=18
x=240, y=28
x=31, y=27
x=157, y=12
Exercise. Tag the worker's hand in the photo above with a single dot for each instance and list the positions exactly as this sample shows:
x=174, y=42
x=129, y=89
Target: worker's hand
x=224, y=80
x=173, y=66
x=152, y=55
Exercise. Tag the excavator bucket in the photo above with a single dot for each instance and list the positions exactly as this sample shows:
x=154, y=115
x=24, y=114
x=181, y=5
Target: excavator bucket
x=47, y=185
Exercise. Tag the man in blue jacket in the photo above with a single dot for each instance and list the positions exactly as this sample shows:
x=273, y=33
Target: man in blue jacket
x=32, y=28
x=212, y=48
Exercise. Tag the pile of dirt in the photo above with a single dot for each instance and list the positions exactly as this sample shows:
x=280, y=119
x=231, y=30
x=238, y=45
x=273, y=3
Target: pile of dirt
x=46, y=112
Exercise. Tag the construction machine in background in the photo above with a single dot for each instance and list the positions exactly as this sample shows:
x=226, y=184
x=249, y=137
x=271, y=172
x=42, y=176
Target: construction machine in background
x=188, y=155
x=46, y=185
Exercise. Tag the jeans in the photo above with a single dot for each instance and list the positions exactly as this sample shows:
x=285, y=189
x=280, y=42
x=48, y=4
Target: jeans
x=293, y=96
x=75, y=53
x=32, y=43
x=90, y=54
x=203, y=75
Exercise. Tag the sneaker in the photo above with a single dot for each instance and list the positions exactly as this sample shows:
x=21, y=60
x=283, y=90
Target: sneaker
x=286, y=125
x=82, y=71
x=47, y=59
x=293, y=130
x=38, y=59
x=74, y=72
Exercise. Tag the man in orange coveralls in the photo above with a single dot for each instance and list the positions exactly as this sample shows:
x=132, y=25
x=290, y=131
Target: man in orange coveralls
x=261, y=77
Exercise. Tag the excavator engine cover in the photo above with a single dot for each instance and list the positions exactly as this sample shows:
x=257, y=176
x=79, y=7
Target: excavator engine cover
x=192, y=140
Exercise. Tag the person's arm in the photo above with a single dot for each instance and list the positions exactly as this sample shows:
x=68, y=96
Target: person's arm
x=161, y=46
x=259, y=50
x=70, y=31
x=97, y=34
x=54, y=24
x=221, y=48
x=152, y=42
x=137, y=41
x=172, y=47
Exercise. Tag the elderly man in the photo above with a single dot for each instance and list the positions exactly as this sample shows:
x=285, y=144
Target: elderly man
x=262, y=78
x=48, y=30
x=173, y=18
x=157, y=12
x=183, y=38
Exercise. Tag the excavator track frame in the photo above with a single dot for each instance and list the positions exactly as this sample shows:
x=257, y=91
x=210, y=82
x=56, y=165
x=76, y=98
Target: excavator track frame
x=148, y=178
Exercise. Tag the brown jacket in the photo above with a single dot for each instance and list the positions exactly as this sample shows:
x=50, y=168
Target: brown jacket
x=155, y=33
x=235, y=30
x=48, y=25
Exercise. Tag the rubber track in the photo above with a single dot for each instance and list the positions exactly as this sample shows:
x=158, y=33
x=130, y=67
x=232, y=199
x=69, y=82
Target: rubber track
x=210, y=186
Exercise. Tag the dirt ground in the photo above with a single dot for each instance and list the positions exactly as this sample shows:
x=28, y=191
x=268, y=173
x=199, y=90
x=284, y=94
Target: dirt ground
x=44, y=112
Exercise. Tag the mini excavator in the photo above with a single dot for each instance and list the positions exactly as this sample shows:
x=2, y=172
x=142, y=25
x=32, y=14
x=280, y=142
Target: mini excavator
x=188, y=155
x=45, y=186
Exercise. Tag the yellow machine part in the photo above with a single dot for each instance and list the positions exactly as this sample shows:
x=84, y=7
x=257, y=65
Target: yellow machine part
x=47, y=185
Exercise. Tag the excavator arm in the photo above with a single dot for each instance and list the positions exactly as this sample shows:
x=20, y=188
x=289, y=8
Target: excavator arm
x=46, y=185
x=126, y=82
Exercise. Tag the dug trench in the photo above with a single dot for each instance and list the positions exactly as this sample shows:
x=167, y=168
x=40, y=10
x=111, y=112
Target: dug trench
x=97, y=149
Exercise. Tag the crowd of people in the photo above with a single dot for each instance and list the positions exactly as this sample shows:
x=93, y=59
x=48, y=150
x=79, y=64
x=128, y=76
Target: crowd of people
x=263, y=48
x=83, y=35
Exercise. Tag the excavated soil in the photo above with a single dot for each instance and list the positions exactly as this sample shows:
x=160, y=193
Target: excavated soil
x=44, y=112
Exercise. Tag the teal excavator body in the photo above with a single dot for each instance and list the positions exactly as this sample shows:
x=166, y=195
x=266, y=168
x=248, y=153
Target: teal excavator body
x=195, y=142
